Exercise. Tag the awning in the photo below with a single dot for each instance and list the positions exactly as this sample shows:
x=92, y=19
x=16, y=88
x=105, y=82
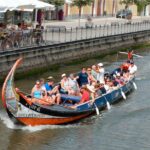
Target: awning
x=36, y=4
x=3, y=9
x=68, y=1
x=23, y=5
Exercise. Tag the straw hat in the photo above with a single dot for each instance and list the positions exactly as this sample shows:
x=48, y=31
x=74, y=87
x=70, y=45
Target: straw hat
x=50, y=79
x=91, y=88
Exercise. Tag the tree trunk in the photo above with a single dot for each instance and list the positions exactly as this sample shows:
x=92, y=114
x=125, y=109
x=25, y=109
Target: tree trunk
x=79, y=15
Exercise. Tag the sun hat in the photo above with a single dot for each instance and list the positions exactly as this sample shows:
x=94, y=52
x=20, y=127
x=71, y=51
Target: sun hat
x=50, y=78
x=100, y=64
x=90, y=88
x=63, y=75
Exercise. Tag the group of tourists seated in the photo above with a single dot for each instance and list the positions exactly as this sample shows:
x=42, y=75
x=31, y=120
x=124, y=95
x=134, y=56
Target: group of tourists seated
x=90, y=83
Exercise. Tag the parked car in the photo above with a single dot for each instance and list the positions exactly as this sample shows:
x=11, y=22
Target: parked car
x=126, y=14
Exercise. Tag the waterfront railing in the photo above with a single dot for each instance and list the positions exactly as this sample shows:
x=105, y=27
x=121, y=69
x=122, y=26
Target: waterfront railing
x=60, y=34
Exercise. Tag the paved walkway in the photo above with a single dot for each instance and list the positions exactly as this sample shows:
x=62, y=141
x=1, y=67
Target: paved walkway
x=96, y=21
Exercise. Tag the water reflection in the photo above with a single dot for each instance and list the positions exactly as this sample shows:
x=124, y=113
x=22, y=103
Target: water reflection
x=125, y=126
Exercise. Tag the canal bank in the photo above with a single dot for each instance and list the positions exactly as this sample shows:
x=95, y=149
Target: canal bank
x=38, y=59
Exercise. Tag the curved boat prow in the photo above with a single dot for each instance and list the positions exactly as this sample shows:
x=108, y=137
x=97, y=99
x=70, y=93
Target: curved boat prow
x=9, y=96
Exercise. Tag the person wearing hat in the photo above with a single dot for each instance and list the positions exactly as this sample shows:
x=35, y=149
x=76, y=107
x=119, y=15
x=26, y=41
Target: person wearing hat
x=119, y=79
x=65, y=84
x=39, y=95
x=49, y=84
x=101, y=72
x=52, y=92
x=85, y=96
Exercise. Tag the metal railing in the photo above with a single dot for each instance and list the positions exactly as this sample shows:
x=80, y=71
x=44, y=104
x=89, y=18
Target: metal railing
x=60, y=34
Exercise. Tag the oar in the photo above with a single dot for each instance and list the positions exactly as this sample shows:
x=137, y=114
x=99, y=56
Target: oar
x=97, y=110
x=135, y=86
x=132, y=54
x=107, y=103
x=123, y=94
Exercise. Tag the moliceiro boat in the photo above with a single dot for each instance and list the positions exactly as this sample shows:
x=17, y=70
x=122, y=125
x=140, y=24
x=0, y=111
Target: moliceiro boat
x=22, y=109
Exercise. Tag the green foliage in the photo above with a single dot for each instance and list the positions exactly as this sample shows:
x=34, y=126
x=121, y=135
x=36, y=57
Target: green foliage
x=139, y=3
x=126, y=2
x=81, y=3
x=56, y=2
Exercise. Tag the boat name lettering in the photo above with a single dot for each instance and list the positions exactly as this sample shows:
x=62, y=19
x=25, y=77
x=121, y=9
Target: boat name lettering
x=36, y=108
x=30, y=115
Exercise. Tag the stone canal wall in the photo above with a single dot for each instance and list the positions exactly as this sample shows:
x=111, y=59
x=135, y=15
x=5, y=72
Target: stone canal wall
x=44, y=56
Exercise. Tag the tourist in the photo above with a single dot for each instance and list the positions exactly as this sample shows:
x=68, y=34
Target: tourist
x=103, y=88
x=98, y=92
x=74, y=85
x=52, y=91
x=126, y=76
x=82, y=77
x=101, y=72
x=37, y=91
x=132, y=69
x=125, y=66
x=42, y=82
x=90, y=76
x=66, y=85
x=91, y=89
x=119, y=79
x=85, y=97
x=94, y=72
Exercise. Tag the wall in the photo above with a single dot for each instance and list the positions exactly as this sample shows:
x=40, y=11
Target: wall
x=45, y=56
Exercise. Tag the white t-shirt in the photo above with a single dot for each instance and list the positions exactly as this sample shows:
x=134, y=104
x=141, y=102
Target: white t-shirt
x=133, y=69
x=100, y=75
x=73, y=84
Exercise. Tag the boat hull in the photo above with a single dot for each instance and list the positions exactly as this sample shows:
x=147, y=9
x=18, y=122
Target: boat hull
x=22, y=109
x=49, y=121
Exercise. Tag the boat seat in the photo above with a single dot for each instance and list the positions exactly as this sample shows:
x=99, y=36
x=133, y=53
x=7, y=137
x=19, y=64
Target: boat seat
x=66, y=97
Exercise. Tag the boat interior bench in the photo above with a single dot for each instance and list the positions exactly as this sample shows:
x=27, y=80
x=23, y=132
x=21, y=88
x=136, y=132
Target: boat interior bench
x=66, y=98
x=73, y=99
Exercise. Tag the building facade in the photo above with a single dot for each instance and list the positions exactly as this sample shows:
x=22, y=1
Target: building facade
x=98, y=8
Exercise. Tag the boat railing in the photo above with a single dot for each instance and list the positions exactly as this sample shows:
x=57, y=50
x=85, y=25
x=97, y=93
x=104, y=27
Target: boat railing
x=104, y=95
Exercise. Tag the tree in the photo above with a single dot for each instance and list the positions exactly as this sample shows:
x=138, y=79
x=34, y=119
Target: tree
x=57, y=3
x=139, y=3
x=126, y=2
x=80, y=4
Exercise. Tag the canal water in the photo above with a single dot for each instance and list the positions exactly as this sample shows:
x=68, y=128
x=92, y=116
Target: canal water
x=126, y=126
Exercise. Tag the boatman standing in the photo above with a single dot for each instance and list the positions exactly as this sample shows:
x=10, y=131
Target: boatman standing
x=130, y=55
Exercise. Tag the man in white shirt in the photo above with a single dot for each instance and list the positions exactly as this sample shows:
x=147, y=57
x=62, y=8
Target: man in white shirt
x=101, y=72
x=132, y=69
